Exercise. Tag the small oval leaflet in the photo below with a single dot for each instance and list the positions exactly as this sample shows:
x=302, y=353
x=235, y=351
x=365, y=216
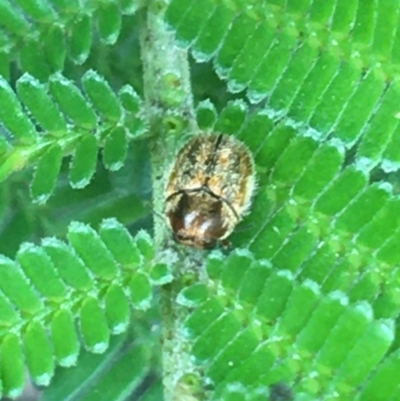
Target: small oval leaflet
x=209, y=189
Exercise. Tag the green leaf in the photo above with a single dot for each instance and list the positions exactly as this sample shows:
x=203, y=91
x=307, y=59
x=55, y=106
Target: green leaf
x=93, y=326
x=301, y=305
x=240, y=30
x=65, y=338
x=235, y=266
x=39, y=354
x=51, y=286
x=373, y=346
x=71, y=102
x=382, y=381
x=8, y=314
x=39, y=103
x=275, y=232
x=187, y=17
x=45, y=279
x=293, y=161
x=204, y=316
x=161, y=274
x=364, y=207
x=275, y=294
x=381, y=128
x=253, y=282
x=295, y=318
x=33, y=60
x=129, y=98
x=69, y=266
x=117, y=309
x=353, y=117
x=215, y=264
x=140, y=291
x=13, y=19
x=320, y=264
x=323, y=167
x=108, y=22
x=275, y=61
x=55, y=47
x=239, y=349
x=84, y=162
x=193, y=296
x=350, y=326
x=115, y=149
x=325, y=316
x=296, y=249
x=297, y=69
x=314, y=85
x=382, y=226
x=364, y=30
x=276, y=137
x=46, y=173
x=145, y=244
x=12, y=115
x=119, y=242
x=37, y=9
x=255, y=365
x=226, y=327
x=16, y=287
x=209, y=38
x=12, y=366
x=81, y=39
x=249, y=59
x=101, y=95
x=206, y=114
x=343, y=189
x=387, y=253
x=92, y=250
x=232, y=117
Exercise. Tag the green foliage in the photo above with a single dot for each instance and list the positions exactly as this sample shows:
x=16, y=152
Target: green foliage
x=50, y=286
x=265, y=326
x=54, y=32
x=54, y=104
x=322, y=124
x=305, y=304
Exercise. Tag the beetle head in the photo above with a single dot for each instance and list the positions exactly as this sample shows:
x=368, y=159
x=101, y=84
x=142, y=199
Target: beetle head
x=196, y=219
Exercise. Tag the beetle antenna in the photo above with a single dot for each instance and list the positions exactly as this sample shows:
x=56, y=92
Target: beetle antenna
x=155, y=212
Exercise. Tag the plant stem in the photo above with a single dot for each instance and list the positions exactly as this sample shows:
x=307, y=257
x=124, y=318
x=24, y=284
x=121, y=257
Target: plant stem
x=170, y=111
x=168, y=98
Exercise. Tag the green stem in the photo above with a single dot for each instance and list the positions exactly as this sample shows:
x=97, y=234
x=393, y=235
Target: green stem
x=168, y=99
x=171, y=115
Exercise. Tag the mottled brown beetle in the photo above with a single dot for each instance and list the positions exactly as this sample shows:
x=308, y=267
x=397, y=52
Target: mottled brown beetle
x=209, y=189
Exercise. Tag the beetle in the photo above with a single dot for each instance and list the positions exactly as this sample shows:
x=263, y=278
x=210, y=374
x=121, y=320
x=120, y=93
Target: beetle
x=209, y=189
